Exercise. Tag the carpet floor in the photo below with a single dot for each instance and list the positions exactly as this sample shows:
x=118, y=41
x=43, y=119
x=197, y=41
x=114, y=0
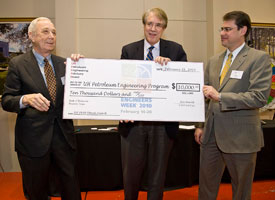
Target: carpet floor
x=11, y=189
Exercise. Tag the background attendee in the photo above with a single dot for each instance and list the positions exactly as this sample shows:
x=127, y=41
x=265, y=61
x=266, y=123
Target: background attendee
x=148, y=144
x=237, y=84
x=34, y=90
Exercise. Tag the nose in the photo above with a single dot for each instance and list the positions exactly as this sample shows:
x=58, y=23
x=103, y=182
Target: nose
x=52, y=34
x=222, y=32
x=154, y=27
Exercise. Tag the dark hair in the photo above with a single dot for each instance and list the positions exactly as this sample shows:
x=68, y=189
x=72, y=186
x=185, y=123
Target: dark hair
x=241, y=19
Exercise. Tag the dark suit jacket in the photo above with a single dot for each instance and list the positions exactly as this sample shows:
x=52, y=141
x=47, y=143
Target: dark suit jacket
x=135, y=51
x=34, y=129
x=235, y=119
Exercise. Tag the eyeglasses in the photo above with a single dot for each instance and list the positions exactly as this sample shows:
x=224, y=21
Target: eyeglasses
x=156, y=25
x=226, y=29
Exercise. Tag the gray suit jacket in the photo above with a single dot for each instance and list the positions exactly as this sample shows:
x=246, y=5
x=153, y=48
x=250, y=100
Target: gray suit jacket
x=34, y=129
x=235, y=119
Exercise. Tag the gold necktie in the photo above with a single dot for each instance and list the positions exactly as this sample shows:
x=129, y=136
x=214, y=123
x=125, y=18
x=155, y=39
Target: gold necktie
x=50, y=78
x=226, y=67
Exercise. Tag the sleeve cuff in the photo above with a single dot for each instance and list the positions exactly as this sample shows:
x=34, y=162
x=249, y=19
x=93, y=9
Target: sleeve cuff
x=21, y=105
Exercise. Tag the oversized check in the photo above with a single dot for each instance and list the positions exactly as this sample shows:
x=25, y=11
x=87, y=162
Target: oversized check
x=108, y=89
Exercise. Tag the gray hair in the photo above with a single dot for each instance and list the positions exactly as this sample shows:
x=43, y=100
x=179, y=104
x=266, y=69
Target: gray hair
x=159, y=13
x=32, y=26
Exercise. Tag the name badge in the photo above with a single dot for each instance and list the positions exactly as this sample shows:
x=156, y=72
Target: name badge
x=63, y=80
x=236, y=74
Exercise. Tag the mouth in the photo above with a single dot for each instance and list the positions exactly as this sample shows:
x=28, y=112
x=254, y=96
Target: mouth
x=50, y=43
x=152, y=34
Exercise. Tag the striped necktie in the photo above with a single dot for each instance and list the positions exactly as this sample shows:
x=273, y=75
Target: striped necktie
x=150, y=54
x=50, y=78
x=226, y=67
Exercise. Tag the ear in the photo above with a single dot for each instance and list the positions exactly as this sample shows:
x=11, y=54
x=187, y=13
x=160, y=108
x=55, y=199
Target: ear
x=30, y=34
x=244, y=30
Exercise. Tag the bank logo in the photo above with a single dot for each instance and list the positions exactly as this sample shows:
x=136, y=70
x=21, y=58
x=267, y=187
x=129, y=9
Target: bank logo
x=141, y=71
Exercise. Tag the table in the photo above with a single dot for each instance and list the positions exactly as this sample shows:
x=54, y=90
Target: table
x=265, y=167
x=99, y=160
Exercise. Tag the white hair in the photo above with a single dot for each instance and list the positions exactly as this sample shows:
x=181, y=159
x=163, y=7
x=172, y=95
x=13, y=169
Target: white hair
x=32, y=26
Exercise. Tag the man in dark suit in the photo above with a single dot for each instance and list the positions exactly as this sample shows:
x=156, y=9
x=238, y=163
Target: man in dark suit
x=237, y=84
x=34, y=90
x=148, y=144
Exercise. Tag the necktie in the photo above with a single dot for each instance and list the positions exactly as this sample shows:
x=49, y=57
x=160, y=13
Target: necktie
x=50, y=78
x=150, y=54
x=226, y=67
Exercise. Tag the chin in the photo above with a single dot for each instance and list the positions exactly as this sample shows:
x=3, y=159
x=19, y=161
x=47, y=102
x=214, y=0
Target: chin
x=224, y=44
x=153, y=42
x=51, y=48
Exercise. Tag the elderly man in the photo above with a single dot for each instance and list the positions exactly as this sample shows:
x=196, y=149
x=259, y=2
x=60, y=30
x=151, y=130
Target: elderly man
x=34, y=90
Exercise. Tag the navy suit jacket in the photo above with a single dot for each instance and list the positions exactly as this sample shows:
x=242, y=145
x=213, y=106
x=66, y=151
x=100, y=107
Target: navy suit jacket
x=34, y=129
x=135, y=51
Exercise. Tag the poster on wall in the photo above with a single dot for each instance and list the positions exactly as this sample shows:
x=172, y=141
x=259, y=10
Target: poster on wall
x=13, y=41
x=262, y=37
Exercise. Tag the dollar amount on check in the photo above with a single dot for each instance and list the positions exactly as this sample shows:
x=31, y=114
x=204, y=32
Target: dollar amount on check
x=108, y=89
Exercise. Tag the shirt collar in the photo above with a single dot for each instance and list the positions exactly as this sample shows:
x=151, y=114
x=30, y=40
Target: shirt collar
x=236, y=51
x=147, y=45
x=39, y=58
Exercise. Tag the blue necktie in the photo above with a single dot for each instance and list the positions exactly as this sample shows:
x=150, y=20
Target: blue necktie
x=150, y=54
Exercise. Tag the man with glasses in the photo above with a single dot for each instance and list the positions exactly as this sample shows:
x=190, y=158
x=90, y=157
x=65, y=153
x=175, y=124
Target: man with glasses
x=148, y=144
x=237, y=84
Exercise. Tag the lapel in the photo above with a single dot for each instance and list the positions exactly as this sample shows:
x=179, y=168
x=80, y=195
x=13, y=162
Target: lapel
x=140, y=50
x=32, y=68
x=163, y=48
x=238, y=61
x=218, y=71
x=59, y=72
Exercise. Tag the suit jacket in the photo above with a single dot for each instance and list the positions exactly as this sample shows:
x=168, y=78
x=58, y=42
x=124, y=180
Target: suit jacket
x=135, y=51
x=34, y=129
x=235, y=119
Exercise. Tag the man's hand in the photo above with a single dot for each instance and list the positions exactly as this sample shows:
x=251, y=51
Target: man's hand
x=198, y=133
x=211, y=93
x=38, y=101
x=126, y=121
x=162, y=60
x=76, y=57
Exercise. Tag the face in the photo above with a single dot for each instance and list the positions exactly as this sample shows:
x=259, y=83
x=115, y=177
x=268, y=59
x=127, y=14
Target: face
x=231, y=37
x=153, y=29
x=44, y=37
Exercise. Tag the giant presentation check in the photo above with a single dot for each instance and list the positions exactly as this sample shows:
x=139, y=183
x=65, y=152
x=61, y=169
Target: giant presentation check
x=108, y=89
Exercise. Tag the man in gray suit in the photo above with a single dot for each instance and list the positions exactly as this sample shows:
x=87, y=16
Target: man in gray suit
x=232, y=133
